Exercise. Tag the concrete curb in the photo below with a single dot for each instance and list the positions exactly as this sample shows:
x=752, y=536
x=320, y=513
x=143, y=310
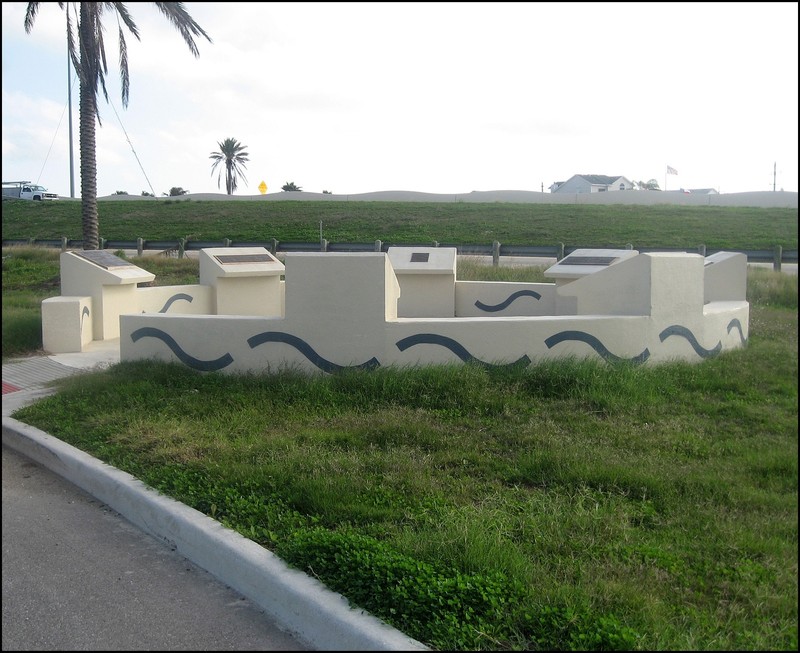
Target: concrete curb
x=301, y=604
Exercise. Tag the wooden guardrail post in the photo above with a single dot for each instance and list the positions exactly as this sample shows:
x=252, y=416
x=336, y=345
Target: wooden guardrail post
x=179, y=248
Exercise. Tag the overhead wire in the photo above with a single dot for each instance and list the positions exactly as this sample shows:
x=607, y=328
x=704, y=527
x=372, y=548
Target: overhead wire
x=132, y=149
x=124, y=131
x=47, y=156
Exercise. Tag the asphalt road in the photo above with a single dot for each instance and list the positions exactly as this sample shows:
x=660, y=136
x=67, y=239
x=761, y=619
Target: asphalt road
x=77, y=576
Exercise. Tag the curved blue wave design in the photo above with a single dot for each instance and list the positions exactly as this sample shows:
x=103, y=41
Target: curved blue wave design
x=174, y=299
x=595, y=344
x=505, y=304
x=735, y=324
x=678, y=330
x=191, y=361
x=304, y=348
x=457, y=348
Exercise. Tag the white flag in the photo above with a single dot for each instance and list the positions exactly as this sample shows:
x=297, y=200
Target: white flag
x=671, y=171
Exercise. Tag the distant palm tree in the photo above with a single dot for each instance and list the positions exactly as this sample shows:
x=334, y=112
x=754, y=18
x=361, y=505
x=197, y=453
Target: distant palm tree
x=91, y=69
x=231, y=152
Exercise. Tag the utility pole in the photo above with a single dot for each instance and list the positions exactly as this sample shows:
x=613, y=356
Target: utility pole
x=774, y=169
x=69, y=110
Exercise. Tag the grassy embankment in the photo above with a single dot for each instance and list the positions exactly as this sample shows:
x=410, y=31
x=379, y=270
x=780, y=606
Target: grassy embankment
x=413, y=222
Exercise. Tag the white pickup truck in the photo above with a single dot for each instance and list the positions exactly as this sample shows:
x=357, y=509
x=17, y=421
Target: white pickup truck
x=25, y=190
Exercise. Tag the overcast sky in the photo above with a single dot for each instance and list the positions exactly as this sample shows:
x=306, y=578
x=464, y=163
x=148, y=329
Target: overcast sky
x=432, y=97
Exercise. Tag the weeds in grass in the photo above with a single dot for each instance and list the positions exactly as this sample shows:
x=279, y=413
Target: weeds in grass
x=766, y=288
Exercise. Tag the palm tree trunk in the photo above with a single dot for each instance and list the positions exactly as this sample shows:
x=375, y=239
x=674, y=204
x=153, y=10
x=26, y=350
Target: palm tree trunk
x=88, y=173
x=88, y=111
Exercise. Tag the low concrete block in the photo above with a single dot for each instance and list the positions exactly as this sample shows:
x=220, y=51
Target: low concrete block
x=66, y=324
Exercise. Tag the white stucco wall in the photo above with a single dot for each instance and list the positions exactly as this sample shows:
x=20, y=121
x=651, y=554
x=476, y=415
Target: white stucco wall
x=725, y=277
x=340, y=310
x=504, y=299
x=66, y=324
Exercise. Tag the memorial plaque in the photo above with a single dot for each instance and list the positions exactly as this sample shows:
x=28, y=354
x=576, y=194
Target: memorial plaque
x=420, y=257
x=104, y=259
x=588, y=260
x=228, y=259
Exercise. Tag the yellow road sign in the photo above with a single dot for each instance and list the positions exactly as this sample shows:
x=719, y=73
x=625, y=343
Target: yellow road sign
x=262, y=187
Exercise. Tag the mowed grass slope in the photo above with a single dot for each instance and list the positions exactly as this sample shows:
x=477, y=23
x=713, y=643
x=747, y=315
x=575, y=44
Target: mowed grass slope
x=669, y=226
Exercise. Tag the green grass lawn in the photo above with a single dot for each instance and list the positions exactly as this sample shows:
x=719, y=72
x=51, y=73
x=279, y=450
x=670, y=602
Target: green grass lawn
x=669, y=226
x=571, y=505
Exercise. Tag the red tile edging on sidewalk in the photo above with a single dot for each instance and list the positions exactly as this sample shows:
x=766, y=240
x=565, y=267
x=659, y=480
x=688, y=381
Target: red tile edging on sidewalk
x=8, y=387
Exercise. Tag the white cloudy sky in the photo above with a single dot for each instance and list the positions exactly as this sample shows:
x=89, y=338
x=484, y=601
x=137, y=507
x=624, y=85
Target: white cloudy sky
x=432, y=97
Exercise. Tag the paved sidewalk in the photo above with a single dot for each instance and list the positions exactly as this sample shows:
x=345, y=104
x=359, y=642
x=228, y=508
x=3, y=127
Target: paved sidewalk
x=71, y=583
x=78, y=576
x=30, y=372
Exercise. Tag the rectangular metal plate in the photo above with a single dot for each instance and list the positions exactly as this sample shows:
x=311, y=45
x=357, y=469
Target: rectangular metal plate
x=104, y=259
x=228, y=259
x=420, y=257
x=587, y=260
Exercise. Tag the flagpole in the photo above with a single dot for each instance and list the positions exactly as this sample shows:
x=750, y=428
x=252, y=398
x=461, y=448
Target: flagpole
x=670, y=171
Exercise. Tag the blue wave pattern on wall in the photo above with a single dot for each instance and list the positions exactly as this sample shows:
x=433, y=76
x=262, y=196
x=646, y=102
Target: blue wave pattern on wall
x=494, y=308
x=735, y=324
x=174, y=299
x=191, y=361
x=595, y=344
x=682, y=331
x=454, y=346
x=304, y=348
x=424, y=338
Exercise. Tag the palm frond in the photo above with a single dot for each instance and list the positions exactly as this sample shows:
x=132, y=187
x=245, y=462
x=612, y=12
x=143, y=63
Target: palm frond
x=30, y=15
x=184, y=23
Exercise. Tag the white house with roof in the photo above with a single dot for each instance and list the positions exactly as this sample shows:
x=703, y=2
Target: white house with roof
x=592, y=184
x=695, y=191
